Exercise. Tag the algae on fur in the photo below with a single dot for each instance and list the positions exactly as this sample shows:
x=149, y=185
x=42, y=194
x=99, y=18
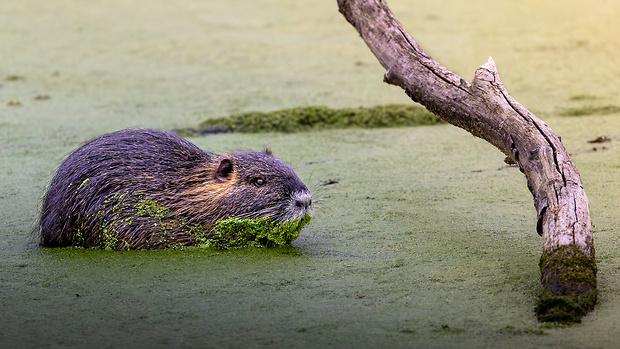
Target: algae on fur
x=228, y=233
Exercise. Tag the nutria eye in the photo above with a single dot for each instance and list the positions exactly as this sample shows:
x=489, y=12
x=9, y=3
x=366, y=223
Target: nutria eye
x=259, y=182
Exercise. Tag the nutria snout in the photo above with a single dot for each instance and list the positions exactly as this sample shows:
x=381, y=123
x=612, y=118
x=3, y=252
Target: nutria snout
x=150, y=189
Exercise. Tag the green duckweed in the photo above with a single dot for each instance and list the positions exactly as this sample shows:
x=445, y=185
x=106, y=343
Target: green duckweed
x=257, y=232
x=316, y=117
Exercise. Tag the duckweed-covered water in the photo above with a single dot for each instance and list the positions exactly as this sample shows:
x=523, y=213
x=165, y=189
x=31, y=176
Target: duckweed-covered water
x=421, y=237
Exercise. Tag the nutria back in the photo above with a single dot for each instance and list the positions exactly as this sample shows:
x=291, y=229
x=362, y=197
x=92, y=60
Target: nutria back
x=150, y=189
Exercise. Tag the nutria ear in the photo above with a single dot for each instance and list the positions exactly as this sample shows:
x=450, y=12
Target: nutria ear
x=224, y=170
x=267, y=151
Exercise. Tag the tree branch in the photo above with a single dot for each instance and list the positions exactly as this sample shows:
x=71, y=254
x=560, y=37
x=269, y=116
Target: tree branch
x=485, y=109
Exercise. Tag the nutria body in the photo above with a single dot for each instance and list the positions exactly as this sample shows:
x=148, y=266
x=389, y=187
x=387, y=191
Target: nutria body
x=149, y=189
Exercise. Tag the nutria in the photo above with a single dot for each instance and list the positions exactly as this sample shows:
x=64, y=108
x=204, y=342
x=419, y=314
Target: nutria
x=150, y=189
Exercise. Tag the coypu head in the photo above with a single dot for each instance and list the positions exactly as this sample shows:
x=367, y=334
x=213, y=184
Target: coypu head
x=259, y=185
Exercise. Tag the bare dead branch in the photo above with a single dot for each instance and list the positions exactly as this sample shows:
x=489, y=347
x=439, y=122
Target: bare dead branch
x=485, y=109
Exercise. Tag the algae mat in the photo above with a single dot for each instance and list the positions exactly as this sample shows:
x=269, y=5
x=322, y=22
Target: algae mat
x=424, y=238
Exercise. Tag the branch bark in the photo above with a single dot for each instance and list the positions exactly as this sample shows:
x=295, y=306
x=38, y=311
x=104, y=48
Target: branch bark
x=485, y=109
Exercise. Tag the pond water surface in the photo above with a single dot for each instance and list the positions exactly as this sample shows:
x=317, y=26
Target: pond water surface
x=424, y=238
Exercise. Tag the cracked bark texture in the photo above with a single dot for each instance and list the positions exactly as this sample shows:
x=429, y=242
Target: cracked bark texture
x=485, y=109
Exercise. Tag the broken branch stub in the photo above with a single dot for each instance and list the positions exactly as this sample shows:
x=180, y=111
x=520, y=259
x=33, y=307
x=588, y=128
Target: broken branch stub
x=485, y=109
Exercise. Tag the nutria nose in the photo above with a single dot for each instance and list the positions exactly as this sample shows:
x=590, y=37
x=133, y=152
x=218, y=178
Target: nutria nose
x=303, y=200
x=304, y=203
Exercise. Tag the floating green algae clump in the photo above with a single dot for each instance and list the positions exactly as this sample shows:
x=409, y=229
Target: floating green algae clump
x=317, y=117
x=258, y=232
x=591, y=110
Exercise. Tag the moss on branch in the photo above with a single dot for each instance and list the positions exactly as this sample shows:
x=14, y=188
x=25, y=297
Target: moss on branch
x=569, y=285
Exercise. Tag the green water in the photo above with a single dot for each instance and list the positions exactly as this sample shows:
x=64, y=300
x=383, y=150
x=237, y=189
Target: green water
x=426, y=238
